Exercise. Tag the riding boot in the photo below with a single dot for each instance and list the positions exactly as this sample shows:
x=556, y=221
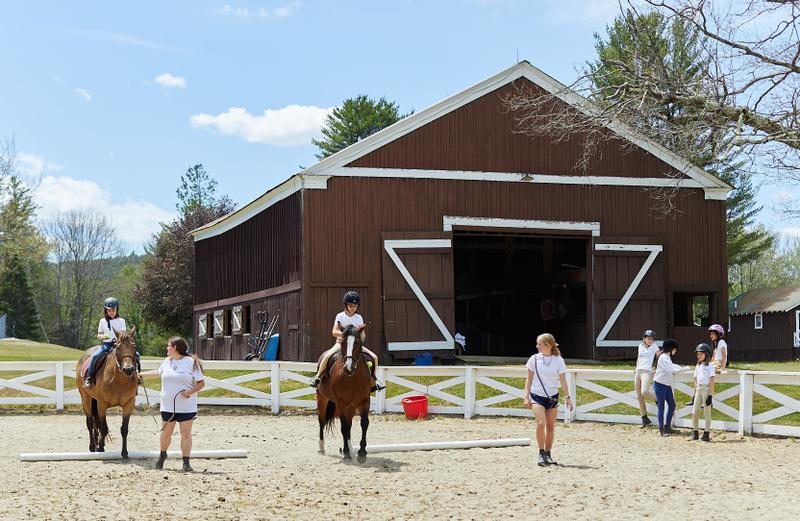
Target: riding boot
x=706, y=436
x=314, y=382
x=186, y=466
x=88, y=382
x=645, y=421
x=549, y=459
x=376, y=385
x=542, y=458
x=161, y=458
x=695, y=435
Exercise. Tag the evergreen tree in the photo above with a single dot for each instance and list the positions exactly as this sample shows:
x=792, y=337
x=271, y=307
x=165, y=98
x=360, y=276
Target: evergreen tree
x=356, y=119
x=16, y=300
x=197, y=188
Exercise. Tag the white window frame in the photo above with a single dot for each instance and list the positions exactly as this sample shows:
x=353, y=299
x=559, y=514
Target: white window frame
x=202, y=323
x=654, y=250
x=236, y=317
x=758, y=321
x=219, y=329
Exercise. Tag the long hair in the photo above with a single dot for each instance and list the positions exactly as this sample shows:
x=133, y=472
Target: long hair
x=550, y=340
x=182, y=348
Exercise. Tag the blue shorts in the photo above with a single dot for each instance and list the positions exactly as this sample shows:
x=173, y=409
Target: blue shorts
x=544, y=401
x=178, y=416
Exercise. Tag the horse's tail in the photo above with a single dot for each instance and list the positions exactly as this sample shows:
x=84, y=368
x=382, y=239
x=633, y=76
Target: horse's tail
x=95, y=419
x=330, y=416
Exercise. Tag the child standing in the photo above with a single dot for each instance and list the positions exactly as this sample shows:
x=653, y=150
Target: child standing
x=643, y=373
x=546, y=371
x=663, y=380
x=719, y=347
x=348, y=317
x=704, y=376
x=110, y=323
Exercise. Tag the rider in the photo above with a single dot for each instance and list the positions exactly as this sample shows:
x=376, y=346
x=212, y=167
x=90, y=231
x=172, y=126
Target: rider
x=110, y=322
x=719, y=347
x=345, y=318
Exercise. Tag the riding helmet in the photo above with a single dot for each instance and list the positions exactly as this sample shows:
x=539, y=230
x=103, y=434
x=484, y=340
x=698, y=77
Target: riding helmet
x=703, y=348
x=668, y=345
x=351, y=297
x=110, y=303
x=717, y=329
x=649, y=332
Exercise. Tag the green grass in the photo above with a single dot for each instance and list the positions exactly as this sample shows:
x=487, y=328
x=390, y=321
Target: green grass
x=12, y=350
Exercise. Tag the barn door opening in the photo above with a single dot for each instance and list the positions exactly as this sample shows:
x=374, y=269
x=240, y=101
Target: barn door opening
x=510, y=287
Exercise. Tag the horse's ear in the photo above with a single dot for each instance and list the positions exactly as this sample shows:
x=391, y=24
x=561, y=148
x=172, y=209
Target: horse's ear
x=132, y=331
x=361, y=328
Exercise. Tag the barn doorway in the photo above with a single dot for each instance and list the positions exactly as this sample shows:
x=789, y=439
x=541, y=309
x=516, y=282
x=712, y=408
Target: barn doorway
x=511, y=287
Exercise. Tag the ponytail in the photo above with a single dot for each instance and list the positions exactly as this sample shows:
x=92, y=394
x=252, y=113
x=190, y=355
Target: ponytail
x=547, y=338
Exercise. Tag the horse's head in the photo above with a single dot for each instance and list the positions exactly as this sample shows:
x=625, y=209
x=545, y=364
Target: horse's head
x=125, y=352
x=352, y=337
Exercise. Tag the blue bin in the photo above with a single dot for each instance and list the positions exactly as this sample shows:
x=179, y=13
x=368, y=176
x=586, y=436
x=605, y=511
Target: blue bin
x=271, y=352
x=423, y=359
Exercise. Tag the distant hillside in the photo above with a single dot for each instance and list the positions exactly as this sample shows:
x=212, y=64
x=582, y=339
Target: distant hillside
x=13, y=350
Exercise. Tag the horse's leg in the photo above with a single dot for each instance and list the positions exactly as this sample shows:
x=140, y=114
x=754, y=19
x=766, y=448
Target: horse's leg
x=362, y=451
x=346, y=422
x=95, y=425
x=126, y=416
x=322, y=406
x=86, y=402
x=101, y=413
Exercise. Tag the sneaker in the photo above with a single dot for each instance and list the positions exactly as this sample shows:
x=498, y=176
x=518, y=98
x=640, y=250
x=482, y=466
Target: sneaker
x=314, y=382
x=549, y=459
x=377, y=387
x=542, y=459
x=706, y=436
x=186, y=466
x=695, y=435
x=646, y=421
x=88, y=382
x=160, y=463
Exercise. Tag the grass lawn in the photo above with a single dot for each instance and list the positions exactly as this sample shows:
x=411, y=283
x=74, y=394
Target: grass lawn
x=22, y=350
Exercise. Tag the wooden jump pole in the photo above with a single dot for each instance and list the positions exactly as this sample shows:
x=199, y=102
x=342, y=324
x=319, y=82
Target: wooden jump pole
x=148, y=454
x=441, y=445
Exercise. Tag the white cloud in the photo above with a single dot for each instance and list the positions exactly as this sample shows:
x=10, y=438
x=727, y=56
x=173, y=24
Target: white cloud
x=290, y=125
x=594, y=12
x=790, y=231
x=286, y=11
x=134, y=221
x=83, y=94
x=31, y=166
x=262, y=12
x=168, y=80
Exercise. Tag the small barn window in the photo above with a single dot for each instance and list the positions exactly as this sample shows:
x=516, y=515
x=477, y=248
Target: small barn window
x=202, y=322
x=236, y=320
x=227, y=322
x=758, y=321
x=218, y=323
x=246, y=320
x=691, y=309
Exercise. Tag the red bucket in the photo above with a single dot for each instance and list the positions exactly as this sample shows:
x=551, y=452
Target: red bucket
x=416, y=407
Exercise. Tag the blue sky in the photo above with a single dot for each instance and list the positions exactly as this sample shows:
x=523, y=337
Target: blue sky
x=109, y=103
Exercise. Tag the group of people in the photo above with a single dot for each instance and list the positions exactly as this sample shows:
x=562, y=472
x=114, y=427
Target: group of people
x=711, y=360
x=181, y=379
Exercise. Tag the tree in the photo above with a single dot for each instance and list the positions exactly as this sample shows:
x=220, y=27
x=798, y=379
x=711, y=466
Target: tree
x=83, y=245
x=16, y=300
x=744, y=103
x=777, y=267
x=197, y=188
x=356, y=119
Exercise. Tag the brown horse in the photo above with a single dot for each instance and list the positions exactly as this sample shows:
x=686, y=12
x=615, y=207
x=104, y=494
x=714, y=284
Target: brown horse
x=116, y=384
x=347, y=391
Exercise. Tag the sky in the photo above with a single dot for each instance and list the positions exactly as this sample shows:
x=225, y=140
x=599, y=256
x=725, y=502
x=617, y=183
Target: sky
x=109, y=103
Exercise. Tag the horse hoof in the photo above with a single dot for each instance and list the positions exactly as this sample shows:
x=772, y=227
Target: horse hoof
x=362, y=458
x=321, y=452
x=347, y=458
x=124, y=455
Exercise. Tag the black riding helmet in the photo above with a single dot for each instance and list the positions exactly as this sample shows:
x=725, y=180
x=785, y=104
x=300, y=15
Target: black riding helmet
x=649, y=332
x=703, y=348
x=351, y=297
x=668, y=345
x=111, y=303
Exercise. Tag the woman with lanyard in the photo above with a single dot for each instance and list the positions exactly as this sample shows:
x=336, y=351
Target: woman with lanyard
x=546, y=371
x=181, y=379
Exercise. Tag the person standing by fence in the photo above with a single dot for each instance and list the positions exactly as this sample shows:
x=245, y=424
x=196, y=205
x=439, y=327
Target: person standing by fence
x=663, y=381
x=704, y=377
x=546, y=370
x=643, y=374
x=719, y=347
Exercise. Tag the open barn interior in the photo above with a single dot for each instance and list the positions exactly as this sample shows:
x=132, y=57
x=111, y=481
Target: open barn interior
x=511, y=287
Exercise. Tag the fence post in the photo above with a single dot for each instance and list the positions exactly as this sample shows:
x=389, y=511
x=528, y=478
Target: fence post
x=572, y=390
x=745, y=404
x=380, y=396
x=275, y=387
x=59, y=386
x=469, y=391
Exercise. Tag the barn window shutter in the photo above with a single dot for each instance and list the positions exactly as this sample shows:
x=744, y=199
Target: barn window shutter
x=218, y=325
x=236, y=316
x=201, y=326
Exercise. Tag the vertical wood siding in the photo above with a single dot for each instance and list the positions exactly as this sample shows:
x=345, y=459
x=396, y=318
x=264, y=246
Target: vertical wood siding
x=772, y=342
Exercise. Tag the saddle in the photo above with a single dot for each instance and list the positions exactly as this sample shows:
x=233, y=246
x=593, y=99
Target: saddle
x=98, y=366
x=365, y=358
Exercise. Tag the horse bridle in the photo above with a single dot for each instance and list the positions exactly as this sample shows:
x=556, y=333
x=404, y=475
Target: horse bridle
x=123, y=357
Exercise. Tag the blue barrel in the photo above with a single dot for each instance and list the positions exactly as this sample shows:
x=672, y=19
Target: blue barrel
x=423, y=359
x=271, y=352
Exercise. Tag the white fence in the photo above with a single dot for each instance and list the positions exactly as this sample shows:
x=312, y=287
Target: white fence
x=455, y=391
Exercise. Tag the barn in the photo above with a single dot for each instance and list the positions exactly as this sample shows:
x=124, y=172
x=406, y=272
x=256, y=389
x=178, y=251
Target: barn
x=765, y=324
x=451, y=222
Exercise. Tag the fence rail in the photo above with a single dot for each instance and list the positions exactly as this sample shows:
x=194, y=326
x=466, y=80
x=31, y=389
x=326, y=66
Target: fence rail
x=451, y=390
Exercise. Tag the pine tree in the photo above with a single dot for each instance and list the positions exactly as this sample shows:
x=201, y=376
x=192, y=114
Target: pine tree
x=16, y=300
x=197, y=189
x=356, y=119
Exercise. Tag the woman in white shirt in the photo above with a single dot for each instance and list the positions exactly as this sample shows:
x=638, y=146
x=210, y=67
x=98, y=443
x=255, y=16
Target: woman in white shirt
x=719, y=347
x=181, y=379
x=662, y=382
x=704, y=377
x=546, y=371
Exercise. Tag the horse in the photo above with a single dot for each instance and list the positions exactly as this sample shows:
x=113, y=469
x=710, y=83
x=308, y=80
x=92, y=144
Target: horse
x=346, y=390
x=116, y=384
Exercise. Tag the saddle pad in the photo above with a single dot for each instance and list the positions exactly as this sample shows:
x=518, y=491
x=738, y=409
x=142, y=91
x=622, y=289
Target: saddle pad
x=97, y=365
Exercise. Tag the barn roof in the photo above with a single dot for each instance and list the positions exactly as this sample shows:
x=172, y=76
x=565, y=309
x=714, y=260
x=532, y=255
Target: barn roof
x=316, y=175
x=766, y=301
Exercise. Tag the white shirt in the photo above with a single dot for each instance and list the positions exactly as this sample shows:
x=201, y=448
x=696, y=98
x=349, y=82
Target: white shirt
x=549, y=368
x=703, y=373
x=178, y=375
x=721, y=346
x=345, y=320
x=117, y=323
x=665, y=370
x=644, y=361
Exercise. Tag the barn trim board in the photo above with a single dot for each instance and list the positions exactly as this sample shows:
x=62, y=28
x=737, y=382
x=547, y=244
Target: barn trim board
x=654, y=250
x=448, y=221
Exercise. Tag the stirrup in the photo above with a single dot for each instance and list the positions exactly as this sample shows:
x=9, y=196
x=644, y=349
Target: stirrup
x=377, y=387
x=315, y=381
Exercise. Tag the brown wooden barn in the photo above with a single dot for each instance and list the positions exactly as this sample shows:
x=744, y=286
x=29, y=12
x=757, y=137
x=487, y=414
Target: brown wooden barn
x=451, y=221
x=765, y=325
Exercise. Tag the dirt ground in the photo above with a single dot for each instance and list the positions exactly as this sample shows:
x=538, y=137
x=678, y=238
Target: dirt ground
x=605, y=472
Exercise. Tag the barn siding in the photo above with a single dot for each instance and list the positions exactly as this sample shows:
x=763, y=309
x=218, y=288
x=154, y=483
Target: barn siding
x=772, y=342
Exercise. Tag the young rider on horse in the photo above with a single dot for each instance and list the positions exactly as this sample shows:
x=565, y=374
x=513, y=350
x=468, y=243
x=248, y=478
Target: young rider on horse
x=345, y=318
x=110, y=322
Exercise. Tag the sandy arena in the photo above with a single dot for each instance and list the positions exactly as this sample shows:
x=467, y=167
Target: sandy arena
x=606, y=472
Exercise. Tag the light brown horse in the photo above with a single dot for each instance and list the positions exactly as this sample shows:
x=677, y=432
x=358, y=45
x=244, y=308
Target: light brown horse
x=115, y=384
x=347, y=391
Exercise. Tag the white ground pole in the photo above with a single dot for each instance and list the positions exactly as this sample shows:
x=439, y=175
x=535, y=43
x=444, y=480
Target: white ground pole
x=148, y=454
x=440, y=445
